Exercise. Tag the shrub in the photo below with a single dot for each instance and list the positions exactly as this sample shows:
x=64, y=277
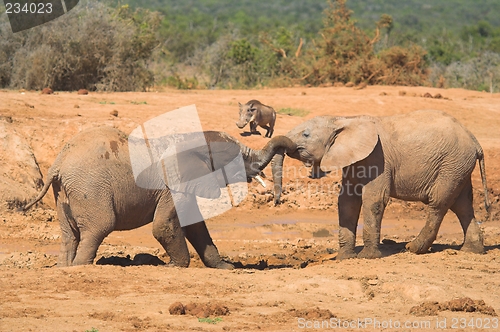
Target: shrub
x=94, y=47
x=480, y=73
x=346, y=54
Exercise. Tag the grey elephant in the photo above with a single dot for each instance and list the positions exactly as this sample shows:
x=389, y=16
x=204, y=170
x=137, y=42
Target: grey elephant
x=96, y=192
x=257, y=114
x=425, y=156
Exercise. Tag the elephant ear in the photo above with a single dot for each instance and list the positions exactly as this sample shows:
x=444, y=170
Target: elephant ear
x=190, y=171
x=352, y=141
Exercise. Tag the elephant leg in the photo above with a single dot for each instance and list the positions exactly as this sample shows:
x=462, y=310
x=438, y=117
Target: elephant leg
x=87, y=248
x=375, y=199
x=91, y=238
x=349, y=206
x=442, y=196
x=198, y=236
x=94, y=223
x=428, y=234
x=473, y=235
x=168, y=232
x=196, y=231
x=70, y=235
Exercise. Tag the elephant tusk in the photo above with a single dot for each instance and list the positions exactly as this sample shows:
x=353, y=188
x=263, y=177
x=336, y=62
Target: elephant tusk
x=259, y=180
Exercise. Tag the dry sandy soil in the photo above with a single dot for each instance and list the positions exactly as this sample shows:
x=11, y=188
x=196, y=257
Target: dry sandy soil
x=287, y=278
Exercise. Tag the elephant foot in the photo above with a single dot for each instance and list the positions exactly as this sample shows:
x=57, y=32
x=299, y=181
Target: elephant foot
x=475, y=248
x=417, y=247
x=224, y=266
x=370, y=253
x=346, y=254
x=177, y=264
x=63, y=262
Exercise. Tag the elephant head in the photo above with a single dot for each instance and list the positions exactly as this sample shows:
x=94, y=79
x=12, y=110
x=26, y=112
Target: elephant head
x=328, y=143
x=202, y=163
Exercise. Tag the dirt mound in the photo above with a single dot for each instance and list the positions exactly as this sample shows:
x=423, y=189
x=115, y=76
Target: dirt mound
x=200, y=310
x=314, y=313
x=464, y=304
x=20, y=176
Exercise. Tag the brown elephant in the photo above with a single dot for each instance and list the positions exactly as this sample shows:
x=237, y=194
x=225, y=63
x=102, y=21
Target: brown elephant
x=425, y=156
x=97, y=192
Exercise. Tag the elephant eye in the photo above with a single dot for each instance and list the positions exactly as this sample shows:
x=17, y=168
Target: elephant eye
x=305, y=134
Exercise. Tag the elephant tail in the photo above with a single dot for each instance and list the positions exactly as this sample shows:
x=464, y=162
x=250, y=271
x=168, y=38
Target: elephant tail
x=52, y=176
x=480, y=157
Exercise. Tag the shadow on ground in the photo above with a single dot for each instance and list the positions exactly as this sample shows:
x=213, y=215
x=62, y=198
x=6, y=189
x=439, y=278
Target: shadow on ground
x=247, y=133
x=139, y=259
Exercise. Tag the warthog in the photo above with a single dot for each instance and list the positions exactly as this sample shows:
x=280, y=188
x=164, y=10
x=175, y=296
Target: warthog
x=257, y=114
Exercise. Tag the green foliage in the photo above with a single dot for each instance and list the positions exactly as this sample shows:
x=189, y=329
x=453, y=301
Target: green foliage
x=479, y=73
x=210, y=320
x=176, y=81
x=241, y=52
x=92, y=330
x=293, y=111
x=346, y=54
x=253, y=43
x=95, y=47
x=232, y=62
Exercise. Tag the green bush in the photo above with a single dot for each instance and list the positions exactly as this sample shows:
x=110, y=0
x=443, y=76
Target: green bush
x=95, y=47
x=176, y=81
x=345, y=54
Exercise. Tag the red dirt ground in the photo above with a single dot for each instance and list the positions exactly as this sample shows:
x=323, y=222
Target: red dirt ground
x=288, y=278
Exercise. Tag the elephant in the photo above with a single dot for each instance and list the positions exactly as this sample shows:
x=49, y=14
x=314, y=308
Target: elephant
x=257, y=114
x=97, y=192
x=425, y=156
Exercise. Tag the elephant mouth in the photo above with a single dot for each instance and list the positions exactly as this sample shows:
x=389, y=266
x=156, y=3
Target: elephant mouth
x=258, y=179
x=301, y=154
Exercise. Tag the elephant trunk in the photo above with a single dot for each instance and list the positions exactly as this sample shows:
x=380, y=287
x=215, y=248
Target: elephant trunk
x=277, y=168
x=259, y=159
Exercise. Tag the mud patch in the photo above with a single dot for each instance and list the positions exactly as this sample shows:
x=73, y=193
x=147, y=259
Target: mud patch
x=311, y=314
x=114, y=147
x=321, y=233
x=200, y=310
x=296, y=260
x=464, y=304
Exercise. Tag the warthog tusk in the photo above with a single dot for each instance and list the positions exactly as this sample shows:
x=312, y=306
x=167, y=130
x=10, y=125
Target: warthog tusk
x=259, y=180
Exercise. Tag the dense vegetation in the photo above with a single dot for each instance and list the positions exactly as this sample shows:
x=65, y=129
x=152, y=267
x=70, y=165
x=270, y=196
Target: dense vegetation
x=229, y=44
